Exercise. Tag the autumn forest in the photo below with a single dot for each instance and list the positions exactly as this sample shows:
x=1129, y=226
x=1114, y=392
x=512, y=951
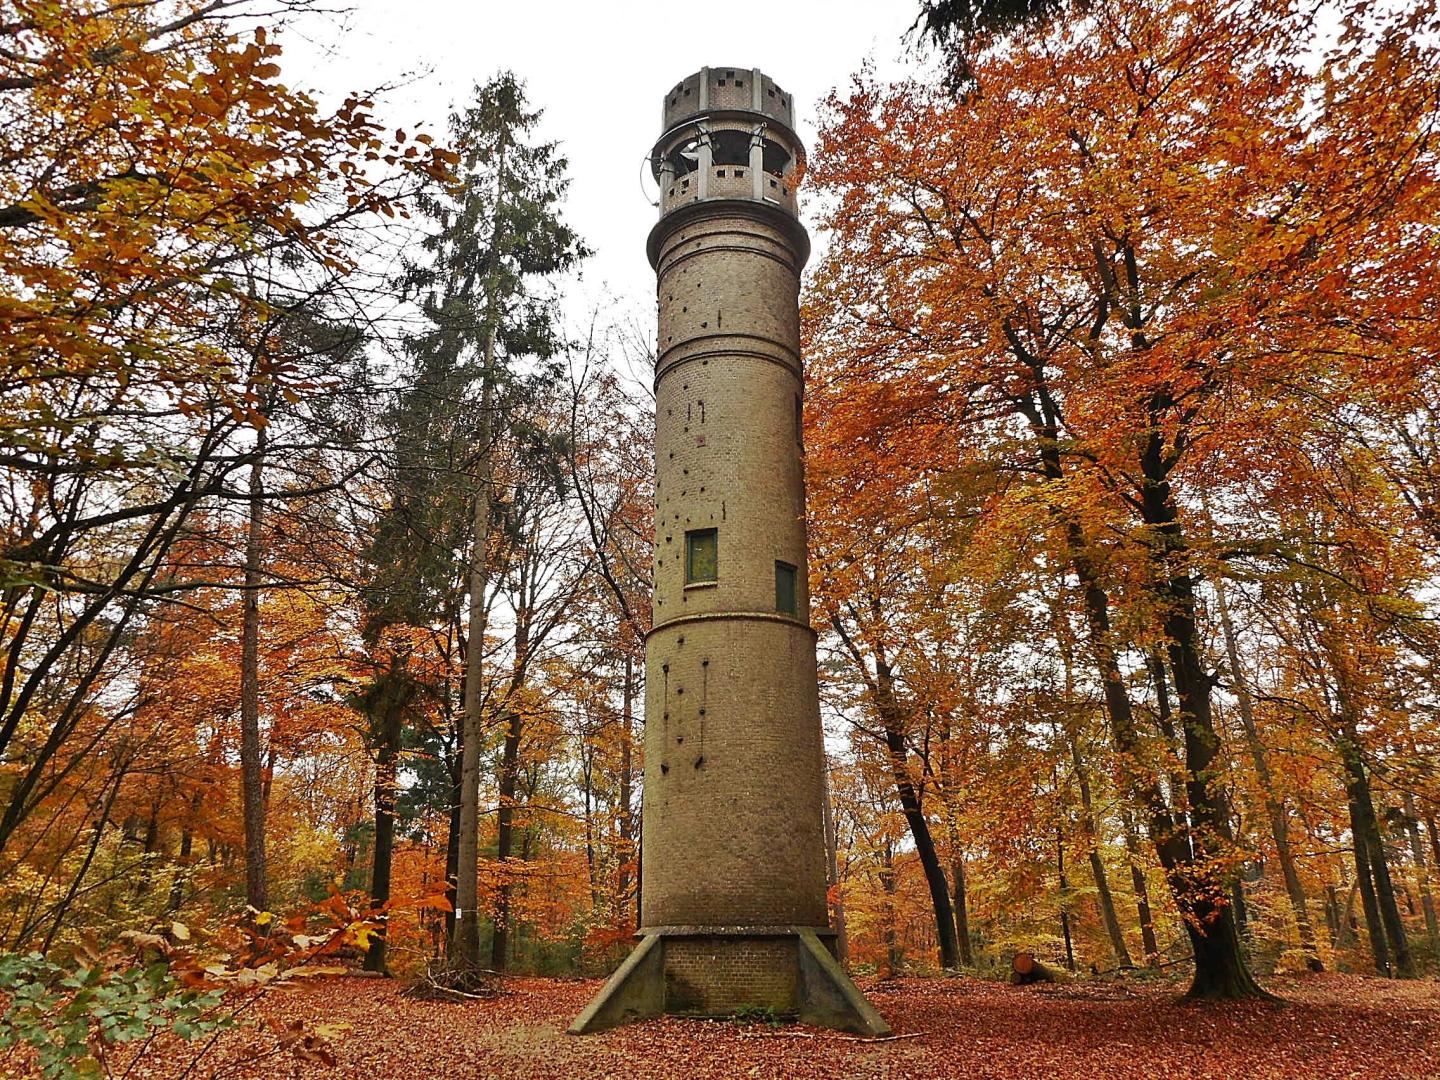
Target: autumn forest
x=326, y=526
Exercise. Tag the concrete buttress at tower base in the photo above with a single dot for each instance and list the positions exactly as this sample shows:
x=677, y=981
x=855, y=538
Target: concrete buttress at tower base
x=733, y=890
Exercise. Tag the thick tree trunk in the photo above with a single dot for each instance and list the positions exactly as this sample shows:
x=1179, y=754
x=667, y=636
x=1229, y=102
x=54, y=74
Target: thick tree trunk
x=1274, y=806
x=1220, y=968
x=465, y=945
x=252, y=779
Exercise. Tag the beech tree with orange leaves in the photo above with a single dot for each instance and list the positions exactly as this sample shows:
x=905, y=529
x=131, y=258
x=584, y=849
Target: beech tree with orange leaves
x=1110, y=272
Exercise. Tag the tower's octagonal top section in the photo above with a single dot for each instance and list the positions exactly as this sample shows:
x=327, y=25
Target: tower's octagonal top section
x=727, y=134
x=720, y=88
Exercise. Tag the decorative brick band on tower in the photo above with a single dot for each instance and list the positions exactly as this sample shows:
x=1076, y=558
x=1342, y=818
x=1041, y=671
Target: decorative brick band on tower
x=733, y=908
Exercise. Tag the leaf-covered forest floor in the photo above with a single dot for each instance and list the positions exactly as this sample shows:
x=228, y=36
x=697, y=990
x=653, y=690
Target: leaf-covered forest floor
x=1330, y=1026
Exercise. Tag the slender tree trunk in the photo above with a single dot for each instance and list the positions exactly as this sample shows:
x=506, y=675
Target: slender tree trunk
x=891, y=718
x=1422, y=870
x=960, y=901
x=587, y=783
x=640, y=868
x=1103, y=897
x=509, y=780
x=1064, y=900
x=1332, y=915
x=452, y=863
x=627, y=794
x=62, y=909
x=187, y=846
x=1362, y=817
x=1274, y=805
x=505, y=831
x=252, y=779
x=1141, y=889
x=888, y=886
x=1366, y=882
x=832, y=874
x=386, y=724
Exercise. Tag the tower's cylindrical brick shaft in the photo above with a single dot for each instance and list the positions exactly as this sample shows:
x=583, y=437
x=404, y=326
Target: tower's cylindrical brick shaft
x=733, y=908
x=733, y=831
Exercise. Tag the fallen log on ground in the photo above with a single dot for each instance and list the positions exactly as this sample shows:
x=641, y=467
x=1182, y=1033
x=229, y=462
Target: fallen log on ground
x=1025, y=969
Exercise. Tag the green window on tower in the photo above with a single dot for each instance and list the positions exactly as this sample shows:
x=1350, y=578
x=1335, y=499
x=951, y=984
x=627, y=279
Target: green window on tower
x=701, y=557
x=785, y=602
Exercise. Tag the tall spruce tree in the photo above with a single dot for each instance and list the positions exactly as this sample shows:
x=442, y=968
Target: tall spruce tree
x=498, y=238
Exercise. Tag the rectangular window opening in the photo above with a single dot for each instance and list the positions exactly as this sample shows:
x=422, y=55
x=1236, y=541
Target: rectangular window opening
x=701, y=557
x=785, y=600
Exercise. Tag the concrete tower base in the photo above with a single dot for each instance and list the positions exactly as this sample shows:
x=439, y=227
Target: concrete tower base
x=720, y=970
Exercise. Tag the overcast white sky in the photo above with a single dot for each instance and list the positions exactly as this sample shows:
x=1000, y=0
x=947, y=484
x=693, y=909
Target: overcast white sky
x=599, y=70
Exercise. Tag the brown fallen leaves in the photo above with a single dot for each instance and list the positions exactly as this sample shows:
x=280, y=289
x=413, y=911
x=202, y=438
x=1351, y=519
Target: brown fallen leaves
x=1332, y=1026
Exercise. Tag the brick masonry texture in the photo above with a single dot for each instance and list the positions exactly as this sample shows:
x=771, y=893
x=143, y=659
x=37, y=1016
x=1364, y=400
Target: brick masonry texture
x=733, y=832
x=716, y=976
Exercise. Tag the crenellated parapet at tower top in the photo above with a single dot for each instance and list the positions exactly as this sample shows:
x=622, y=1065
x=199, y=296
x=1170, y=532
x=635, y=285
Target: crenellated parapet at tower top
x=727, y=135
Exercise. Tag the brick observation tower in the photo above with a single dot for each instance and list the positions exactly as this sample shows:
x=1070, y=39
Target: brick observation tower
x=733, y=910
